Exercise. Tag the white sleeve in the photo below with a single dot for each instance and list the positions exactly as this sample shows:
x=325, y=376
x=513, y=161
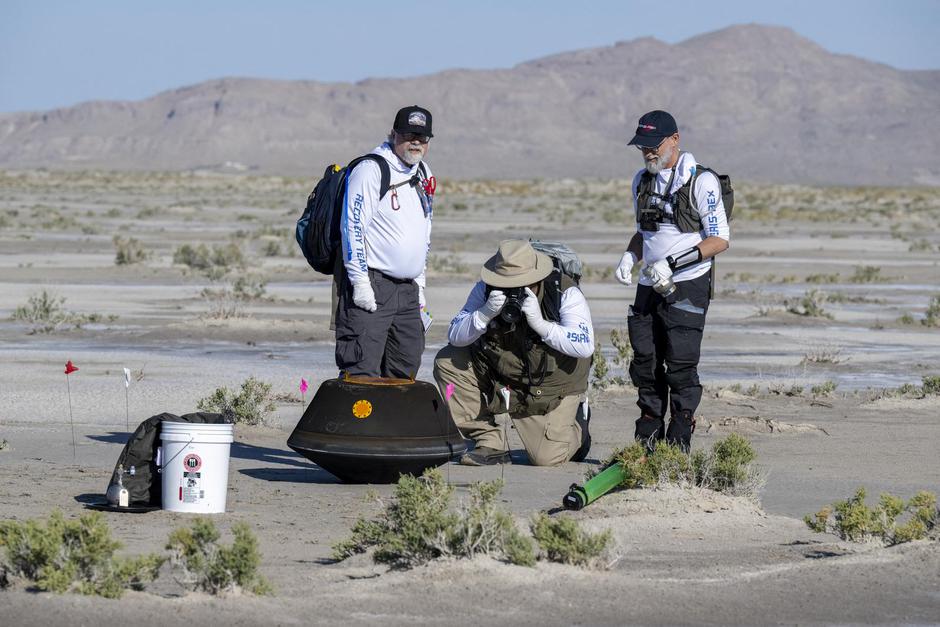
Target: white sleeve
x=467, y=326
x=574, y=335
x=359, y=203
x=633, y=190
x=711, y=209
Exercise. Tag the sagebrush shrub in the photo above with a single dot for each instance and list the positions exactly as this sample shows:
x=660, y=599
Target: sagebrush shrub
x=215, y=568
x=73, y=555
x=251, y=405
x=562, y=540
x=855, y=521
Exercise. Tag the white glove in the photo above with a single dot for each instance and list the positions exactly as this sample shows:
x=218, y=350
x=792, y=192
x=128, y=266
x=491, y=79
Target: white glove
x=492, y=306
x=533, y=314
x=660, y=274
x=364, y=296
x=624, y=272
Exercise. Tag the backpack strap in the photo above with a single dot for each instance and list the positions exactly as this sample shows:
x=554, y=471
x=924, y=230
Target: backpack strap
x=386, y=182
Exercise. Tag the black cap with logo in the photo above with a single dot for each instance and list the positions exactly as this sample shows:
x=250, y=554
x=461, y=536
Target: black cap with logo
x=653, y=128
x=413, y=119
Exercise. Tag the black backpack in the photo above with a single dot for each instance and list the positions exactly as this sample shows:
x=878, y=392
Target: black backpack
x=317, y=229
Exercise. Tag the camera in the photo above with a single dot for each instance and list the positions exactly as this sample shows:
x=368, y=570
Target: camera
x=652, y=213
x=512, y=310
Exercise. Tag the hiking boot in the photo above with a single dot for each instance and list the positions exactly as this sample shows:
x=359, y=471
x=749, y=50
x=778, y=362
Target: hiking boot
x=485, y=456
x=584, y=421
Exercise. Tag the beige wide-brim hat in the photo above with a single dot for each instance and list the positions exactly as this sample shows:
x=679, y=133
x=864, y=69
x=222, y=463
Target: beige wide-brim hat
x=515, y=264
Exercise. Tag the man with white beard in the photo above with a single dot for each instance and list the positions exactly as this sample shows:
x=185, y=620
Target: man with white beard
x=681, y=224
x=379, y=328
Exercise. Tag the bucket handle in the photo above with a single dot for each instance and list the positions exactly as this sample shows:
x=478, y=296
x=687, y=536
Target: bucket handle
x=167, y=462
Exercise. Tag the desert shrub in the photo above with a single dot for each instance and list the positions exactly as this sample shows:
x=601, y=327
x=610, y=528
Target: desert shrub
x=73, y=555
x=128, y=251
x=794, y=390
x=272, y=248
x=483, y=528
x=562, y=540
x=931, y=385
x=932, y=315
x=215, y=568
x=867, y=274
x=419, y=525
x=214, y=262
x=728, y=467
x=620, y=338
x=250, y=406
x=446, y=264
x=825, y=354
x=601, y=368
x=46, y=313
x=823, y=278
x=195, y=257
x=906, y=318
x=855, y=521
x=826, y=388
x=228, y=301
x=810, y=305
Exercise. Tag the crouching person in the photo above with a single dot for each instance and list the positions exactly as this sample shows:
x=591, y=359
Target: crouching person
x=522, y=344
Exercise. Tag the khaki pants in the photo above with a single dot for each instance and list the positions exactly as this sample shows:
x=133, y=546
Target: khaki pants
x=549, y=439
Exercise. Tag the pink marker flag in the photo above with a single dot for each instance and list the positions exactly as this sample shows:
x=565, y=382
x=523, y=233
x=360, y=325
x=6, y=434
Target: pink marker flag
x=448, y=392
x=303, y=386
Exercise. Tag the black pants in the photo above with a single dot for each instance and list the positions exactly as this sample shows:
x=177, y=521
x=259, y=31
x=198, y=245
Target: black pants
x=666, y=335
x=387, y=342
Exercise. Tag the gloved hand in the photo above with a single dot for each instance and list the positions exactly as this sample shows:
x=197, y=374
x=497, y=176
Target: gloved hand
x=533, y=314
x=493, y=305
x=364, y=296
x=624, y=272
x=660, y=274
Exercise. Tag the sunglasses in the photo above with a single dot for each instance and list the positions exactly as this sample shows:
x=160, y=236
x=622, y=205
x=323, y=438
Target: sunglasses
x=645, y=149
x=412, y=137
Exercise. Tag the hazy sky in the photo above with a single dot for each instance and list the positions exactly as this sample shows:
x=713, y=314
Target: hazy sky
x=60, y=52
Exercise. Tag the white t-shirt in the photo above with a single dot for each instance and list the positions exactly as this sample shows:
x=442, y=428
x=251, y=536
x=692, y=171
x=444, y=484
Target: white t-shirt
x=669, y=240
x=390, y=235
x=572, y=336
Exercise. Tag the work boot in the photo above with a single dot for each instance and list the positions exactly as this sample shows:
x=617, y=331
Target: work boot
x=681, y=428
x=649, y=429
x=584, y=421
x=485, y=456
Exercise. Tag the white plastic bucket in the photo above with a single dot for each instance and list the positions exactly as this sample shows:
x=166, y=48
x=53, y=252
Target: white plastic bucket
x=194, y=463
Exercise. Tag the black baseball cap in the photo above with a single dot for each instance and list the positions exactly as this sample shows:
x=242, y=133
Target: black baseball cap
x=653, y=128
x=413, y=119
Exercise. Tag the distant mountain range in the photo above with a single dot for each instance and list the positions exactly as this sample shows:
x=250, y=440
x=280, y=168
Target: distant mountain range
x=761, y=103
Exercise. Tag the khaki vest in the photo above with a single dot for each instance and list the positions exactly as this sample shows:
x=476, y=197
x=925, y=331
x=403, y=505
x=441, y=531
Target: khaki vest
x=537, y=375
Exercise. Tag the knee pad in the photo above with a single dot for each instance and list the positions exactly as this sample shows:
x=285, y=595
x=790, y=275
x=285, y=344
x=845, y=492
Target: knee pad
x=648, y=430
x=681, y=427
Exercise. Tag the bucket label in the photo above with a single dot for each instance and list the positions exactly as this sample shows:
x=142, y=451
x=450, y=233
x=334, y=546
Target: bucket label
x=191, y=491
x=192, y=463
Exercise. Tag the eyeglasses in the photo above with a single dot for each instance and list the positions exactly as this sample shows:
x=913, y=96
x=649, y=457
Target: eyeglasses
x=645, y=149
x=414, y=137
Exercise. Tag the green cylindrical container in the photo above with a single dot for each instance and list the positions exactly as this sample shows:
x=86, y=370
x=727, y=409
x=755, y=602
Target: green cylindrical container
x=599, y=485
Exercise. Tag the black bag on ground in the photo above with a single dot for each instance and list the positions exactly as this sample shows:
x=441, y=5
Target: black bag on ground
x=317, y=231
x=139, y=458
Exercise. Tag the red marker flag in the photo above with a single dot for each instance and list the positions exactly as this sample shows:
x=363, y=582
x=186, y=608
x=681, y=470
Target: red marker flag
x=70, y=367
x=303, y=386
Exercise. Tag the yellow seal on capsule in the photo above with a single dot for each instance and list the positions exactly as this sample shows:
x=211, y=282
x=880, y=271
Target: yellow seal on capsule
x=362, y=409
